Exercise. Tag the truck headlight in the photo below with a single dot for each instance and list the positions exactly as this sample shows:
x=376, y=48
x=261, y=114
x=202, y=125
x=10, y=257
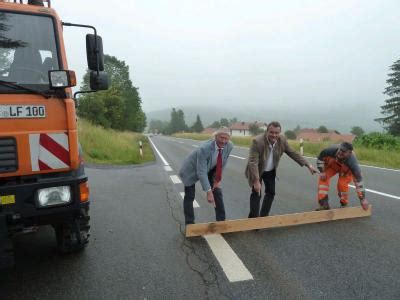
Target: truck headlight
x=54, y=196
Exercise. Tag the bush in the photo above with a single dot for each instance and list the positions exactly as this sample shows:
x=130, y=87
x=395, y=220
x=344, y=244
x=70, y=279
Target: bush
x=377, y=140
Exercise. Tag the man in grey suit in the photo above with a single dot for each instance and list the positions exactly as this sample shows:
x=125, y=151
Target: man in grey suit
x=205, y=164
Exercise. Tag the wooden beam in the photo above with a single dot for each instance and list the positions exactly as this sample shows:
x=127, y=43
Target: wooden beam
x=277, y=221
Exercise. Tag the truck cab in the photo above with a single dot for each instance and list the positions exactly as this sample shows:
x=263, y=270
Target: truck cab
x=42, y=178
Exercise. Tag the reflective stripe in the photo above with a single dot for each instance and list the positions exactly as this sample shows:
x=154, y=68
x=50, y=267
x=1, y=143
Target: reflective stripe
x=324, y=186
x=323, y=192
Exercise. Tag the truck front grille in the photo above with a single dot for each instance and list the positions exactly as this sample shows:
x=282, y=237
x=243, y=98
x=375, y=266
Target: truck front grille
x=8, y=155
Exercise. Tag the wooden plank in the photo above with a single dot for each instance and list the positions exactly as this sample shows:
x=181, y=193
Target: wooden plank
x=277, y=221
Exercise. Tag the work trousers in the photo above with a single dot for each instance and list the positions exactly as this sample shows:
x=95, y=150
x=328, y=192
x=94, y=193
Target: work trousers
x=332, y=167
x=269, y=181
x=189, y=198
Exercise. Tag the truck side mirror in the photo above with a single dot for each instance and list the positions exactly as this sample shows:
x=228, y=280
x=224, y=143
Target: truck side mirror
x=98, y=81
x=94, y=52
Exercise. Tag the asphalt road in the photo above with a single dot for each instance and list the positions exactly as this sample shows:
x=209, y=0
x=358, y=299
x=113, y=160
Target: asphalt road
x=138, y=249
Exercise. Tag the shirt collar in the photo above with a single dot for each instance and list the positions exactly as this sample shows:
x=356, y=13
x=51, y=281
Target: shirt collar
x=216, y=147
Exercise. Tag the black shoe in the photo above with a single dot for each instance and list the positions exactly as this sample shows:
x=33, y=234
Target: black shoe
x=323, y=207
x=343, y=205
x=323, y=204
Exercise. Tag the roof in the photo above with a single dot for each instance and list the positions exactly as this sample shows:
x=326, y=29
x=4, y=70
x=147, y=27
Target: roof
x=240, y=126
x=312, y=135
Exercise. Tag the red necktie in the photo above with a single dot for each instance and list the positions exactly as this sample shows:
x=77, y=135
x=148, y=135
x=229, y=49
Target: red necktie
x=218, y=172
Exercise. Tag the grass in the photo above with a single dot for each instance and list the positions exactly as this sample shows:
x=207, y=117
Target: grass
x=367, y=156
x=107, y=146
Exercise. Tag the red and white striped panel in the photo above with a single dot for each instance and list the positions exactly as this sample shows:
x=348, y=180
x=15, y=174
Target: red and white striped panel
x=49, y=151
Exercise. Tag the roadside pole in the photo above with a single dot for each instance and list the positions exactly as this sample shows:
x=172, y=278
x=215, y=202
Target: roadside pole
x=301, y=146
x=141, y=149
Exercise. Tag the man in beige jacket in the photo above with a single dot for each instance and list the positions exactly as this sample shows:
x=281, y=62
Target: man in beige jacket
x=264, y=155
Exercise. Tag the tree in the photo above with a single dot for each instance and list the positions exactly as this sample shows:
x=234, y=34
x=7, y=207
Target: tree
x=391, y=109
x=119, y=107
x=322, y=129
x=357, y=131
x=297, y=129
x=157, y=126
x=215, y=124
x=290, y=134
x=255, y=129
x=224, y=122
x=177, y=122
x=233, y=121
x=197, y=126
x=181, y=121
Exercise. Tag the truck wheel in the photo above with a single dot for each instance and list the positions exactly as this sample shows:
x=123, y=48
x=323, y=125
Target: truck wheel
x=73, y=235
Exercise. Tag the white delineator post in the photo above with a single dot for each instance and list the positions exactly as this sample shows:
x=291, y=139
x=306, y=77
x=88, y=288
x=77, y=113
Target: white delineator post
x=301, y=146
x=141, y=149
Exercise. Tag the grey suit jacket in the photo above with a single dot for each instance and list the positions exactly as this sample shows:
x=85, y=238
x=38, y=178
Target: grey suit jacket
x=197, y=165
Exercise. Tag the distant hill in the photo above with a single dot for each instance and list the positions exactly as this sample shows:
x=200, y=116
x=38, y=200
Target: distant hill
x=332, y=117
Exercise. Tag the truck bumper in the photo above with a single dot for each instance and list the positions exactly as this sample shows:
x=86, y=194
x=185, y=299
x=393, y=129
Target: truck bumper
x=25, y=212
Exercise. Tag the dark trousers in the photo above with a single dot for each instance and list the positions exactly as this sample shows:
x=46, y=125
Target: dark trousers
x=269, y=182
x=189, y=198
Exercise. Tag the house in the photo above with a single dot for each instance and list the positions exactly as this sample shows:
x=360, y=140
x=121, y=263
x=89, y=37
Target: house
x=313, y=136
x=240, y=129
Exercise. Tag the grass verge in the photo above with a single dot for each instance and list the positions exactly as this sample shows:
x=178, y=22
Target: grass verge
x=107, y=146
x=373, y=157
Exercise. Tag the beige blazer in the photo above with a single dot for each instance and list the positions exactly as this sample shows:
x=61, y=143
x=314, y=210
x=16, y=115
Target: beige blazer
x=259, y=151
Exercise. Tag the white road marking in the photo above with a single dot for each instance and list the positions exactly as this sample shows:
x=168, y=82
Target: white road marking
x=180, y=142
x=379, y=193
x=366, y=166
x=168, y=168
x=195, y=203
x=233, y=267
x=159, y=154
x=196, y=146
x=175, y=179
x=237, y=156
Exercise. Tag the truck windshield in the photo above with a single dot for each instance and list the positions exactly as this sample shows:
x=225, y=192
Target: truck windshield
x=27, y=50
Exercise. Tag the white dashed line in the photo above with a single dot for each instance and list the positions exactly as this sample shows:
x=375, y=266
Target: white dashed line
x=195, y=203
x=175, y=179
x=233, y=267
x=168, y=168
x=196, y=146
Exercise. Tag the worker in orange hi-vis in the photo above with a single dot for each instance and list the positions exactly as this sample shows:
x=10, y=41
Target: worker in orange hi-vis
x=339, y=159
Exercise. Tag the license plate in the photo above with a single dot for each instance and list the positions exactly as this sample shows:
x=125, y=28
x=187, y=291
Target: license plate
x=22, y=111
x=8, y=199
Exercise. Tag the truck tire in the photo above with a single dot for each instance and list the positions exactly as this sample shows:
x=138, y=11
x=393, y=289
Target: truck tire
x=73, y=235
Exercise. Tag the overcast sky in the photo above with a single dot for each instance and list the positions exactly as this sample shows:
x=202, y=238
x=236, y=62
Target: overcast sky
x=234, y=52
